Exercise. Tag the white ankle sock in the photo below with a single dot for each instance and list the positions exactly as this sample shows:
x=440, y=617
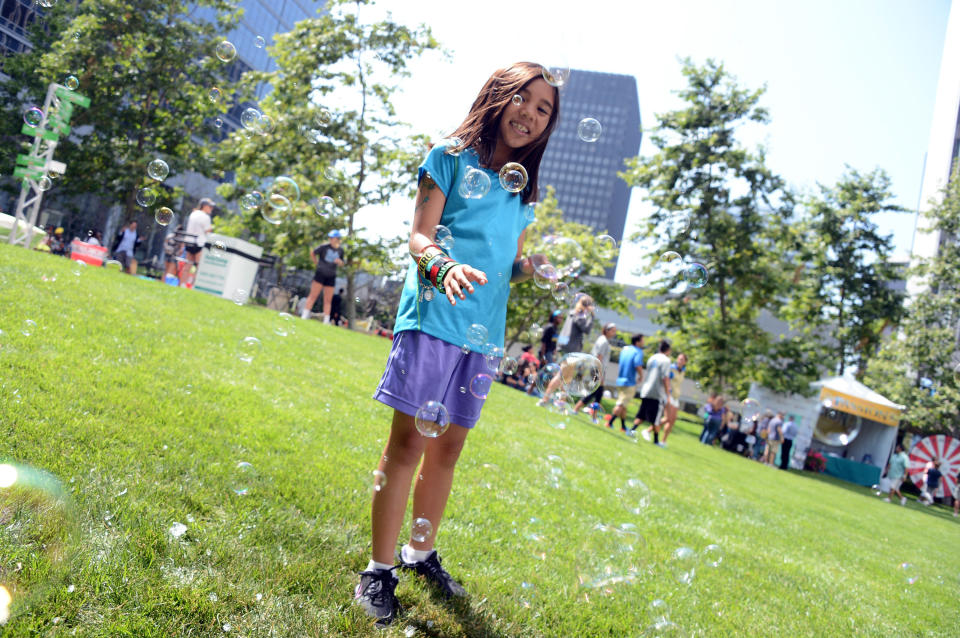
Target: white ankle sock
x=374, y=565
x=411, y=555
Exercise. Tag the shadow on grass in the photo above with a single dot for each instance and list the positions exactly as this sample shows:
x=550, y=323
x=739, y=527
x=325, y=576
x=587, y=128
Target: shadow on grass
x=471, y=621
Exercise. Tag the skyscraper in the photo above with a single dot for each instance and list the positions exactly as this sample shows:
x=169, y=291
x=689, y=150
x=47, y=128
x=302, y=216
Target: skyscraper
x=584, y=174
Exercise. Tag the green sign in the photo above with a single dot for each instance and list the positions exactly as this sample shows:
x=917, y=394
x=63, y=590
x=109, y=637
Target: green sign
x=57, y=125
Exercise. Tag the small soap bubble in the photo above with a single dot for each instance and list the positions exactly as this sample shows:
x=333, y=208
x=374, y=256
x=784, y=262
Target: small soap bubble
x=683, y=565
x=589, y=129
x=432, y=419
x=561, y=292
x=658, y=610
x=421, y=530
x=634, y=495
x=607, y=244
x=146, y=196
x=452, y=146
x=239, y=296
x=556, y=75
x=286, y=187
x=33, y=116
x=517, y=99
x=218, y=122
x=536, y=332
x=72, y=82
x=477, y=334
x=475, y=184
x=324, y=206
x=480, y=385
x=163, y=216
x=508, y=366
x=44, y=183
x=218, y=248
x=248, y=348
x=259, y=42
x=665, y=629
x=250, y=118
x=442, y=237
x=28, y=327
x=695, y=275
x=251, y=201
x=226, y=51
x=712, y=555
x=243, y=476
x=215, y=94
x=284, y=324
x=276, y=205
x=177, y=529
x=749, y=408
x=875, y=488
x=265, y=125
x=513, y=177
x=379, y=480
x=909, y=573
x=158, y=170
x=323, y=118
x=545, y=276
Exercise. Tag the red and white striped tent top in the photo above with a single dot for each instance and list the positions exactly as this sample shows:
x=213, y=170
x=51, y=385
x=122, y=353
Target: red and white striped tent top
x=938, y=447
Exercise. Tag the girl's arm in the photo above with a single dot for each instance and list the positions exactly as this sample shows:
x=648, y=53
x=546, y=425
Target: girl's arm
x=426, y=216
x=313, y=257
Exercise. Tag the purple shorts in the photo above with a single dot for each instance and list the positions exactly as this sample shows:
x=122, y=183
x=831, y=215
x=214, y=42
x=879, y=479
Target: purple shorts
x=422, y=368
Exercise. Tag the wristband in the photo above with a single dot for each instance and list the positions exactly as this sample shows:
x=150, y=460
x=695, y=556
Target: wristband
x=416, y=257
x=434, y=271
x=424, y=264
x=443, y=274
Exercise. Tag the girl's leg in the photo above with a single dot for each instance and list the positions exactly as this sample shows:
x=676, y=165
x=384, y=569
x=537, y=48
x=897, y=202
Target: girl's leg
x=327, y=300
x=671, y=414
x=399, y=462
x=315, y=289
x=435, y=480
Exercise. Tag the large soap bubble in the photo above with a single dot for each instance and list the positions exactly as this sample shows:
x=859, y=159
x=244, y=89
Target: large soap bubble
x=581, y=373
x=563, y=253
x=837, y=428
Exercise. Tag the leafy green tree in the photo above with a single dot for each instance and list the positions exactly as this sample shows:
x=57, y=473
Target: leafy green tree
x=917, y=367
x=843, y=287
x=717, y=203
x=530, y=304
x=148, y=69
x=330, y=127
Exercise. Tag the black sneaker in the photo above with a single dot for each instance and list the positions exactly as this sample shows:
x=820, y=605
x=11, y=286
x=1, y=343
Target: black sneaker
x=375, y=595
x=436, y=574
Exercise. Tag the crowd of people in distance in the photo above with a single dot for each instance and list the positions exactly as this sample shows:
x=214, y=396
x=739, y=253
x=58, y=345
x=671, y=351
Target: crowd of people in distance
x=760, y=437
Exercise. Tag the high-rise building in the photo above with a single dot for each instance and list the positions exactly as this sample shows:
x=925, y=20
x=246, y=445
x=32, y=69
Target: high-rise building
x=584, y=174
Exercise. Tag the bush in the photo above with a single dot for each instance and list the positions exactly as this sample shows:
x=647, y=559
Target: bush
x=815, y=462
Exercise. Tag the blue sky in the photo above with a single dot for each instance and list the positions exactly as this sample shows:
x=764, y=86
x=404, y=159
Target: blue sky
x=848, y=82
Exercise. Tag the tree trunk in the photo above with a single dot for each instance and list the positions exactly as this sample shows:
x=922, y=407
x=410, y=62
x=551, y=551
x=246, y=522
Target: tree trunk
x=351, y=305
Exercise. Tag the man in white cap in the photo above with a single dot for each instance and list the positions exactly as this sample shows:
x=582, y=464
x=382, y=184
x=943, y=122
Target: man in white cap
x=326, y=258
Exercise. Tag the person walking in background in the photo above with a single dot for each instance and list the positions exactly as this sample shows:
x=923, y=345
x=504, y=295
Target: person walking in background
x=672, y=407
x=125, y=244
x=789, y=434
x=630, y=373
x=931, y=481
x=335, y=305
x=601, y=350
x=172, y=250
x=579, y=322
x=774, y=439
x=897, y=472
x=199, y=223
x=326, y=258
x=548, y=342
x=654, y=392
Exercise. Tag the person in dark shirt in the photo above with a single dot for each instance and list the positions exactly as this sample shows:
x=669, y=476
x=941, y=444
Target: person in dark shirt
x=931, y=481
x=335, y=304
x=548, y=343
x=326, y=258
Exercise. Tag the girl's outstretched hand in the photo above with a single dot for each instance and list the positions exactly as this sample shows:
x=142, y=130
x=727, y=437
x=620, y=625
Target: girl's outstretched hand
x=458, y=279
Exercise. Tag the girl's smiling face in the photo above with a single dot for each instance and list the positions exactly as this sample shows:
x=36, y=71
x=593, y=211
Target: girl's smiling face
x=524, y=123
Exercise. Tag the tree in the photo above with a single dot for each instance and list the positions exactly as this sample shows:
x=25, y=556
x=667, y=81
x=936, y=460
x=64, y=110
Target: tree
x=844, y=286
x=717, y=204
x=335, y=136
x=530, y=304
x=918, y=366
x=148, y=69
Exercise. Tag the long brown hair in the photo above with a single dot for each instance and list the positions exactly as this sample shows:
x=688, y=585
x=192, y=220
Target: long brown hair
x=482, y=125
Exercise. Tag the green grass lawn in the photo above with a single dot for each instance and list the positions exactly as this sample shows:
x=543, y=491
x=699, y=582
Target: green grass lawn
x=132, y=394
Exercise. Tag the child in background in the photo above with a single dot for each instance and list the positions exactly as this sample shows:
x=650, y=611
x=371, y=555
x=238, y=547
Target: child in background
x=510, y=121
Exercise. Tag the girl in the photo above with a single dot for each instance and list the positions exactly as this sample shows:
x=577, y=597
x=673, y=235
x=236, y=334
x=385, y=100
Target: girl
x=432, y=359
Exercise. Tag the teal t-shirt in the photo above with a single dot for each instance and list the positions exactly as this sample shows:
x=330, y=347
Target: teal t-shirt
x=898, y=466
x=485, y=233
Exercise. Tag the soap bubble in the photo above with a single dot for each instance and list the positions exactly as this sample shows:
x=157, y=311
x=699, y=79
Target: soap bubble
x=492, y=359
x=251, y=201
x=259, y=42
x=239, y=296
x=243, y=476
x=286, y=187
x=530, y=212
x=379, y=480
x=38, y=536
x=421, y=530
x=218, y=122
x=276, y=204
x=508, y=366
x=665, y=629
x=749, y=408
x=581, y=373
x=158, y=170
x=72, y=82
x=556, y=75
x=248, y=348
x=322, y=118
x=658, y=610
x=480, y=385
x=517, y=99
x=513, y=177
x=163, y=216
x=442, y=237
x=909, y=573
x=44, y=183
x=683, y=565
x=875, y=488
x=477, y=334
x=607, y=245
x=475, y=184
x=563, y=253
x=544, y=276
x=695, y=275
x=634, y=495
x=33, y=116
x=146, y=196
x=712, y=555
x=324, y=206
x=536, y=332
x=215, y=94
x=544, y=376
x=837, y=428
x=589, y=129
x=561, y=292
x=432, y=419
x=283, y=325
x=28, y=327
x=249, y=118
x=226, y=51
x=218, y=248
x=451, y=145
x=265, y=125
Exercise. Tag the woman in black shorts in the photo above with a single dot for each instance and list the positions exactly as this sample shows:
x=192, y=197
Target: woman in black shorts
x=326, y=258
